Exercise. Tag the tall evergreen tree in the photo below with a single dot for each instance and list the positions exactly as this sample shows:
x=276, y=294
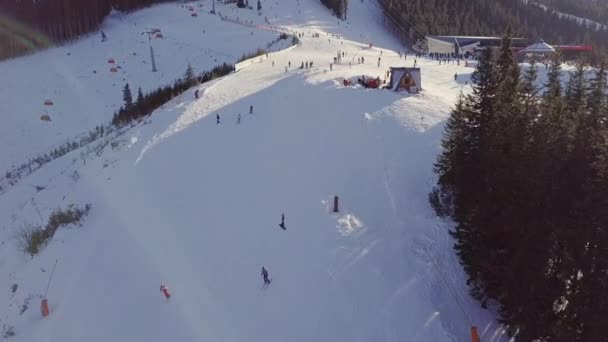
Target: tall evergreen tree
x=127, y=97
x=189, y=78
x=139, y=103
x=576, y=90
x=597, y=102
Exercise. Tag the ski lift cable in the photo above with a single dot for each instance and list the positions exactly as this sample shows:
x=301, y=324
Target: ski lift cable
x=404, y=31
x=394, y=21
x=392, y=14
x=392, y=17
x=50, y=278
x=452, y=292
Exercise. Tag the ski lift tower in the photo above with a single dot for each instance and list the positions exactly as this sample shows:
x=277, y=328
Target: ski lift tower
x=150, y=33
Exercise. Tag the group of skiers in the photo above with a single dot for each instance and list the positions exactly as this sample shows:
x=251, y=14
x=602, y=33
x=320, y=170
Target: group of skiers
x=265, y=276
x=217, y=115
x=306, y=65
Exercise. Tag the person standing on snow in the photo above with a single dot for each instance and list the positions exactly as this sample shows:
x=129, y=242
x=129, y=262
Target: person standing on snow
x=196, y=94
x=238, y=119
x=217, y=118
x=265, y=276
x=251, y=109
x=282, y=224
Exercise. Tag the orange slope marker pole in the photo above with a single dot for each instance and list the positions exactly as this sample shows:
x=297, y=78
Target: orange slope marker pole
x=474, y=335
x=44, y=305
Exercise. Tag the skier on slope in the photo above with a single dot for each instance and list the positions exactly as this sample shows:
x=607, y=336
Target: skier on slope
x=265, y=276
x=217, y=118
x=165, y=291
x=251, y=109
x=282, y=224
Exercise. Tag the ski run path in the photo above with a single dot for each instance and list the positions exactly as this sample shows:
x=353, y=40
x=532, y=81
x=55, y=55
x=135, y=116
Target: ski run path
x=181, y=200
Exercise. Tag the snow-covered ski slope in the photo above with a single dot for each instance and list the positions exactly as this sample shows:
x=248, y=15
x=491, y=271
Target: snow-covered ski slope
x=85, y=93
x=183, y=201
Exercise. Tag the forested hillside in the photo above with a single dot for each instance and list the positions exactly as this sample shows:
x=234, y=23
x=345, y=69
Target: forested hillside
x=523, y=175
x=29, y=25
x=596, y=10
x=413, y=19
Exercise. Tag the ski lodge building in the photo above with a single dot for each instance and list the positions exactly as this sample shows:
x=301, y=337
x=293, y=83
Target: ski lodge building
x=461, y=45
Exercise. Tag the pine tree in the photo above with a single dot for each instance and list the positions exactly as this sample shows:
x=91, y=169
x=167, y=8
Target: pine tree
x=127, y=97
x=529, y=92
x=554, y=85
x=189, y=78
x=240, y=4
x=597, y=102
x=484, y=80
x=139, y=103
x=576, y=90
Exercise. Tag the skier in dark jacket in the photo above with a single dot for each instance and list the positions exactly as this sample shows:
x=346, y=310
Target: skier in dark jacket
x=217, y=118
x=265, y=276
x=282, y=224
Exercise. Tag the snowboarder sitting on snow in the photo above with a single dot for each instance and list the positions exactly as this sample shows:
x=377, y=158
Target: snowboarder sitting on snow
x=265, y=276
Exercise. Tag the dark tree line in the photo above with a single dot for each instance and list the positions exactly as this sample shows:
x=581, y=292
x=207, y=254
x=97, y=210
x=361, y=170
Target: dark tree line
x=413, y=19
x=524, y=175
x=338, y=7
x=596, y=10
x=31, y=25
x=145, y=104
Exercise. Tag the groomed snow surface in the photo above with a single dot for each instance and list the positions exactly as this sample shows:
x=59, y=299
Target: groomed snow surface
x=193, y=204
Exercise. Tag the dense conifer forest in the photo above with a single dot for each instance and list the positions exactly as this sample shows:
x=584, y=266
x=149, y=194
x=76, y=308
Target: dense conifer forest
x=524, y=175
x=596, y=10
x=413, y=19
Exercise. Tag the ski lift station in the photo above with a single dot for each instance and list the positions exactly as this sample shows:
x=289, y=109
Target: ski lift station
x=464, y=44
